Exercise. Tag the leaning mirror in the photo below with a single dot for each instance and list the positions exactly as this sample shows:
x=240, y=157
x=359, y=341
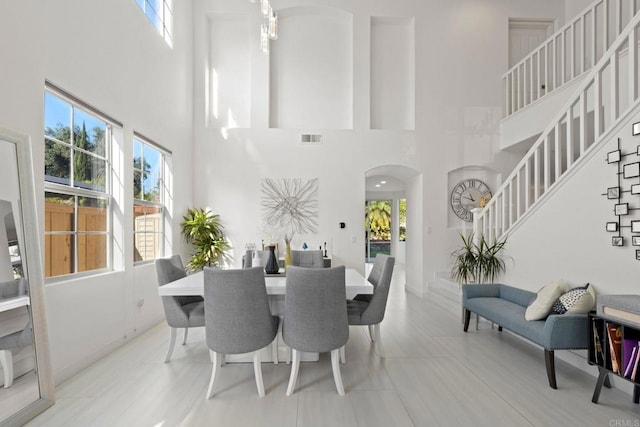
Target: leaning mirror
x=25, y=372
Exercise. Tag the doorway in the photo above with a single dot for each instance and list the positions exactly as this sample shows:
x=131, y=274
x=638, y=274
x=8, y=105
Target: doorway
x=525, y=35
x=378, y=219
x=402, y=187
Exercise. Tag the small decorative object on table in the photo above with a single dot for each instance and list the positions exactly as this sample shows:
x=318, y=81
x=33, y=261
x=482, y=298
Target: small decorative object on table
x=305, y=246
x=325, y=249
x=272, y=264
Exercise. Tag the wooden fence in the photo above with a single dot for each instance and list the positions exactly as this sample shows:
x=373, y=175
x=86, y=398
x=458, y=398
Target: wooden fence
x=59, y=250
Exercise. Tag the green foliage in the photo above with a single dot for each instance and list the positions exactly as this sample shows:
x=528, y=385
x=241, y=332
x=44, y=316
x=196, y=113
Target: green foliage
x=140, y=174
x=378, y=219
x=478, y=262
x=203, y=230
x=86, y=168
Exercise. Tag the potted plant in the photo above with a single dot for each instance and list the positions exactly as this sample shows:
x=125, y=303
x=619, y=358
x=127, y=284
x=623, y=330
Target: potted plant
x=203, y=230
x=479, y=262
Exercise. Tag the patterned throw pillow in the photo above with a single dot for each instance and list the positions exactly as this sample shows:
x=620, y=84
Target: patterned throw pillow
x=575, y=298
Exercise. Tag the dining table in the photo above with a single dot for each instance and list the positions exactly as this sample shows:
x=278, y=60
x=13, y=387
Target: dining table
x=193, y=284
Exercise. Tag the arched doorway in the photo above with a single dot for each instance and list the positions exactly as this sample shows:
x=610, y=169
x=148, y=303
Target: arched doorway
x=395, y=191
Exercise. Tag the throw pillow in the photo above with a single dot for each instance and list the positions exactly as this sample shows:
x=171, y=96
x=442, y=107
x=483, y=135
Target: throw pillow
x=540, y=307
x=577, y=300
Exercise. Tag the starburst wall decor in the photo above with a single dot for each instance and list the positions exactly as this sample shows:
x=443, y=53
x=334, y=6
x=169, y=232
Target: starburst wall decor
x=290, y=204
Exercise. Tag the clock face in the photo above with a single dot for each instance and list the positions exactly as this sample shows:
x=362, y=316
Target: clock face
x=469, y=194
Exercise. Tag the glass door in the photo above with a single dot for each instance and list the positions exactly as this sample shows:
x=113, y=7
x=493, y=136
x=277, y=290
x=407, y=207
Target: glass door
x=377, y=228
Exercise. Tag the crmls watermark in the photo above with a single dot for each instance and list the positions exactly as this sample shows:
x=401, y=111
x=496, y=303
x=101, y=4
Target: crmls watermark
x=624, y=423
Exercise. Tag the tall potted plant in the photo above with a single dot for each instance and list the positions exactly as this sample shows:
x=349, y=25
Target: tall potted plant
x=203, y=230
x=478, y=262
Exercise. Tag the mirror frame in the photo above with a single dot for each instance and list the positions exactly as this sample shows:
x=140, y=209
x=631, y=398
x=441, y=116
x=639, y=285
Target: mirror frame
x=31, y=251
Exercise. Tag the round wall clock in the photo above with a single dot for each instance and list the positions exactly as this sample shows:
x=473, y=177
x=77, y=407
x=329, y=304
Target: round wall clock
x=469, y=194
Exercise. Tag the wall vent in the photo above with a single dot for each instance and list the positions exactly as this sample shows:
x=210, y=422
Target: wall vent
x=309, y=138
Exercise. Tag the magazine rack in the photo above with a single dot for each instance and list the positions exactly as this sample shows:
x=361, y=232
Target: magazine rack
x=611, y=349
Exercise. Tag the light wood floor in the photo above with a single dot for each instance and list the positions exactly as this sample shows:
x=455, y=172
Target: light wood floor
x=434, y=374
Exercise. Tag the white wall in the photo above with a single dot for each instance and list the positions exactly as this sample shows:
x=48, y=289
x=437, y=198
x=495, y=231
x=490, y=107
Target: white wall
x=460, y=54
x=566, y=237
x=109, y=55
x=573, y=7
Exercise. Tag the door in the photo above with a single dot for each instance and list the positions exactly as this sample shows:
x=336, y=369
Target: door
x=524, y=37
x=377, y=228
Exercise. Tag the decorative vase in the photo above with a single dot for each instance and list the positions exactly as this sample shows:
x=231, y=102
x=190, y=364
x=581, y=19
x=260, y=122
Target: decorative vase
x=272, y=264
x=287, y=256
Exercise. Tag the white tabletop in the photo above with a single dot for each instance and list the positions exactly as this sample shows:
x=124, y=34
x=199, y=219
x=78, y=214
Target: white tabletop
x=194, y=284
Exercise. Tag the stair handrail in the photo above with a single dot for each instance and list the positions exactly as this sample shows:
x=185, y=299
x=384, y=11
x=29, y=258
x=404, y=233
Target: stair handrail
x=518, y=93
x=482, y=220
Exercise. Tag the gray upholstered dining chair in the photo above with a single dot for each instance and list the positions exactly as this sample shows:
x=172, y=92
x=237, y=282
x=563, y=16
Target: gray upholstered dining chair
x=21, y=338
x=369, y=309
x=180, y=311
x=237, y=317
x=315, y=317
x=312, y=259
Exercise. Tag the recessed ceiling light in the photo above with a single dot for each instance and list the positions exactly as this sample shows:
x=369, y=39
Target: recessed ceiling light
x=383, y=182
x=377, y=185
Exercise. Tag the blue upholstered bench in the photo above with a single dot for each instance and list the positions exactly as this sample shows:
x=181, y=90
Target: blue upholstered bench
x=506, y=305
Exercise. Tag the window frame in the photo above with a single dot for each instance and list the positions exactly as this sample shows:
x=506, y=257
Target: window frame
x=165, y=18
x=161, y=205
x=77, y=192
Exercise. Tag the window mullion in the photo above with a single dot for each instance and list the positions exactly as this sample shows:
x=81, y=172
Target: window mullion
x=76, y=211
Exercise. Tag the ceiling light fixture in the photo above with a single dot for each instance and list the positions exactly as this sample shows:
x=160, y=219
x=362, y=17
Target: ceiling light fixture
x=383, y=182
x=269, y=28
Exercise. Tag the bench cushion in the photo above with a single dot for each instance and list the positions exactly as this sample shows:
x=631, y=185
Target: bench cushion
x=508, y=315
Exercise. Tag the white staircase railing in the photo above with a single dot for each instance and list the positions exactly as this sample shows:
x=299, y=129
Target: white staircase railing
x=568, y=53
x=605, y=95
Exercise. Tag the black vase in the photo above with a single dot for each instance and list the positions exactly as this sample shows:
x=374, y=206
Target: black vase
x=272, y=266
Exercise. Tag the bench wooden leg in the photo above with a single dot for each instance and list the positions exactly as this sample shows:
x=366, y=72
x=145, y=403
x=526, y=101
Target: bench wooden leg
x=549, y=360
x=467, y=318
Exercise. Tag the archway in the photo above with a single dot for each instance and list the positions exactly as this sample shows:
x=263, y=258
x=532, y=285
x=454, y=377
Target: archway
x=397, y=184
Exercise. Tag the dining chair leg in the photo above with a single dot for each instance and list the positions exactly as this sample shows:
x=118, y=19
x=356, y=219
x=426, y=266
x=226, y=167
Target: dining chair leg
x=343, y=356
x=186, y=332
x=274, y=350
x=213, y=375
x=335, y=365
x=172, y=343
x=257, y=370
x=378, y=340
x=293, y=378
x=6, y=361
x=372, y=336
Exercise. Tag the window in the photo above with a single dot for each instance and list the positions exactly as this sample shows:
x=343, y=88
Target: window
x=77, y=191
x=148, y=200
x=160, y=14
